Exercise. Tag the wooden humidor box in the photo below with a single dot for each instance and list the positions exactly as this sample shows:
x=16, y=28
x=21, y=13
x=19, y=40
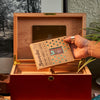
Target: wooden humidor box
x=28, y=83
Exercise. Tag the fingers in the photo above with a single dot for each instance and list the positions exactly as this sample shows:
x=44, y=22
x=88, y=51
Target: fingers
x=78, y=46
x=73, y=39
x=68, y=39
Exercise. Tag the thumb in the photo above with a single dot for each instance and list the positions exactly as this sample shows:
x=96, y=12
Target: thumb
x=68, y=39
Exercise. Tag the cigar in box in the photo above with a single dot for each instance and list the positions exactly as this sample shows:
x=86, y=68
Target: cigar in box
x=51, y=52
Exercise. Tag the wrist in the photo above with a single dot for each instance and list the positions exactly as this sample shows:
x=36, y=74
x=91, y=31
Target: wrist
x=90, y=48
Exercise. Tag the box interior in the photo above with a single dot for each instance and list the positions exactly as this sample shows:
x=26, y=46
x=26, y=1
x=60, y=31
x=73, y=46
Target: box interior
x=24, y=31
x=30, y=69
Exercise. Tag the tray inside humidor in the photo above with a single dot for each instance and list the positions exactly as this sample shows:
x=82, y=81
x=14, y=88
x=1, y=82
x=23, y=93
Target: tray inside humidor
x=30, y=69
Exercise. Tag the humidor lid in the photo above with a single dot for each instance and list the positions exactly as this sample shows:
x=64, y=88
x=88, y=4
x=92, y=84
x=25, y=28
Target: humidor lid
x=24, y=33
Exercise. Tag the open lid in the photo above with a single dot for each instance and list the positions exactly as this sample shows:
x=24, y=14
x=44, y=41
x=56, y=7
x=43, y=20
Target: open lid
x=27, y=26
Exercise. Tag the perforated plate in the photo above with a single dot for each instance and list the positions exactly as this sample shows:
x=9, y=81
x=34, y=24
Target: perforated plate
x=51, y=52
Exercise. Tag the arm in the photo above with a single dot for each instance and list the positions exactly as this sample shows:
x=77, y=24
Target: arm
x=94, y=49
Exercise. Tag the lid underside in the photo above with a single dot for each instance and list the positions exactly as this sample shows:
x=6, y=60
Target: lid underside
x=25, y=32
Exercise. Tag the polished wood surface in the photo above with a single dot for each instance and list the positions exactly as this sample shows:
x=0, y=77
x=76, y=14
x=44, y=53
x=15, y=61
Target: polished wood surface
x=40, y=87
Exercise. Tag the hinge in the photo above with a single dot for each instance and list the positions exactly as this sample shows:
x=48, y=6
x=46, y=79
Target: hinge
x=16, y=62
x=49, y=13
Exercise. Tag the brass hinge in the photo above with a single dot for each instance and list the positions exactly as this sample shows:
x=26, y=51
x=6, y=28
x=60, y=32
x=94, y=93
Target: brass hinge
x=49, y=13
x=16, y=62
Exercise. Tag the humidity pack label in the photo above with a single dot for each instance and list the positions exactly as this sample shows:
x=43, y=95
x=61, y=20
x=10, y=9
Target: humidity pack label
x=51, y=52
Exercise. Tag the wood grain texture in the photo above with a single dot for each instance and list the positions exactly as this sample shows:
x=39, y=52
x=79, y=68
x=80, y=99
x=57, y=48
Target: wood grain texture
x=23, y=29
x=38, y=87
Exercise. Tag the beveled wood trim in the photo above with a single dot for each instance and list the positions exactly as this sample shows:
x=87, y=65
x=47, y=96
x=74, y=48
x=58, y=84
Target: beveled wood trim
x=43, y=15
x=84, y=25
x=15, y=34
x=26, y=60
x=13, y=69
x=87, y=71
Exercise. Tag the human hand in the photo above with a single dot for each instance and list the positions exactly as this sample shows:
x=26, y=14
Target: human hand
x=79, y=46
